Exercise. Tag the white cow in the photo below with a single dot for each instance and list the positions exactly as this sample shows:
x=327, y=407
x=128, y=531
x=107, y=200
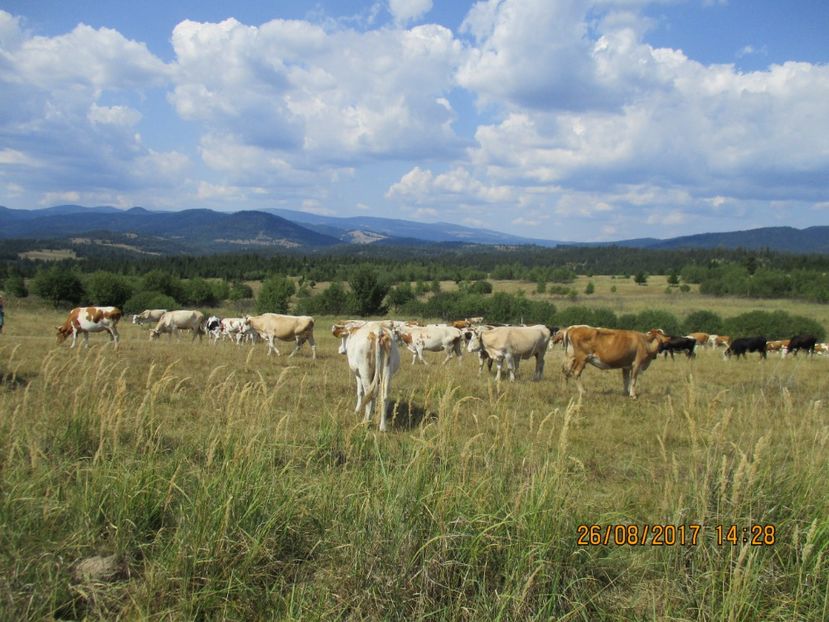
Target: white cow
x=85, y=320
x=148, y=316
x=373, y=358
x=343, y=329
x=184, y=319
x=434, y=338
x=511, y=344
x=271, y=326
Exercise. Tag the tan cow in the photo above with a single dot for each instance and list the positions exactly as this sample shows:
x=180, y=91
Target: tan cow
x=296, y=328
x=511, y=344
x=85, y=320
x=183, y=319
x=628, y=350
x=434, y=338
x=148, y=316
x=700, y=338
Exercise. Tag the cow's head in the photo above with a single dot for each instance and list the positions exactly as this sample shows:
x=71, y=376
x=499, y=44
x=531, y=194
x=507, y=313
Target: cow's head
x=473, y=338
x=154, y=333
x=63, y=333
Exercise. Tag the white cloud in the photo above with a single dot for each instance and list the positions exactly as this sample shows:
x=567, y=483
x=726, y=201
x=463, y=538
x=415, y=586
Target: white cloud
x=405, y=11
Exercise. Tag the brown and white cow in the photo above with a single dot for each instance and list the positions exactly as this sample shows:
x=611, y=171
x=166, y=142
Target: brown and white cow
x=778, y=345
x=434, y=338
x=719, y=341
x=628, y=350
x=343, y=329
x=85, y=320
x=469, y=322
x=184, y=319
x=296, y=328
x=373, y=357
x=511, y=344
x=148, y=316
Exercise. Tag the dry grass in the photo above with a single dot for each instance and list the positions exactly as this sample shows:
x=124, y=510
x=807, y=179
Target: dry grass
x=233, y=485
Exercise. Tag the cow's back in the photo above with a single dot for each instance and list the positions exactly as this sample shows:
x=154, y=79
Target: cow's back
x=521, y=340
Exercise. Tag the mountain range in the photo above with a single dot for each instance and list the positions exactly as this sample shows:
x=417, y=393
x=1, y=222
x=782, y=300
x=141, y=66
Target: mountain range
x=204, y=231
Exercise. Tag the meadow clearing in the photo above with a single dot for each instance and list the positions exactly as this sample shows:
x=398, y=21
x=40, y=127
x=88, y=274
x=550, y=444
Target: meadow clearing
x=230, y=485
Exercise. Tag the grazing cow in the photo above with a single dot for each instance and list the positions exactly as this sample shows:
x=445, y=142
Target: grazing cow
x=296, y=328
x=434, y=338
x=85, y=320
x=373, y=358
x=511, y=344
x=739, y=347
x=669, y=345
x=628, y=350
x=778, y=345
x=148, y=316
x=700, y=338
x=822, y=348
x=802, y=342
x=467, y=322
x=184, y=319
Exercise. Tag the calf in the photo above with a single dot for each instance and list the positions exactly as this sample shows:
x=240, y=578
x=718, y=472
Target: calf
x=739, y=347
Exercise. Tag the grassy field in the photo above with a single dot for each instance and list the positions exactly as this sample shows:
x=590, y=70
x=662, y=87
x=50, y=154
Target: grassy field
x=230, y=485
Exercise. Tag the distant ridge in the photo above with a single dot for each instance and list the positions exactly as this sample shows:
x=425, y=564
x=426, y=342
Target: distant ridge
x=204, y=231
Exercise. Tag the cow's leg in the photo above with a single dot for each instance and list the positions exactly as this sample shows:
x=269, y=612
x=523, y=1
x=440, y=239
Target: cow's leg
x=359, y=394
x=299, y=341
x=313, y=345
x=385, y=385
x=634, y=374
x=539, y=365
x=498, y=363
x=414, y=356
x=85, y=339
x=114, y=336
x=511, y=366
x=626, y=379
x=449, y=350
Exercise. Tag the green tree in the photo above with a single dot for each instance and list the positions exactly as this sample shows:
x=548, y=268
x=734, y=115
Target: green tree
x=480, y=287
x=367, y=292
x=400, y=295
x=590, y=288
x=198, y=292
x=15, y=285
x=106, y=288
x=673, y=278
x=239, y=290
x=58, y=285
x=703, y=321
x=275, y=294
x=164, y=282
x=641, y=278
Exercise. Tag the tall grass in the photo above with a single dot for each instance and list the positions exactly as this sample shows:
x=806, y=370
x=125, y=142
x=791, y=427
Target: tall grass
x=233, y=486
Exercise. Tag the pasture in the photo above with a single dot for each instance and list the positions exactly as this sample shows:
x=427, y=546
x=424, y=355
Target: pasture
x=232, y=485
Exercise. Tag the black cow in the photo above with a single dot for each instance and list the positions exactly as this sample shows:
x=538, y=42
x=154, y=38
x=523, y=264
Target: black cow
x=678, y=344
x=740, y=346
x=802, y=342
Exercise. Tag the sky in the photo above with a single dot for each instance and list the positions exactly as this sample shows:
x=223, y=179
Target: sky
x=579, y=120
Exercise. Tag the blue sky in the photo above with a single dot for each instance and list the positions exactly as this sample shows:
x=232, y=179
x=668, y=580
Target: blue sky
x=561, y=119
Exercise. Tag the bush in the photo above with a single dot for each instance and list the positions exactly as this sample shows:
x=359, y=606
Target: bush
x=239, y=290
x=59, y=286
x=772, y=325
x=332, y=301
x=275, y=294
x=221, y=289
x=654, y=318
x=599, y=317
x=702, y=322
x=199, y=293
x=400, y=295
x=590, y=288
x=480, y=287
x=15, y=285
x=164, y=282
x=108, y=289
x=367, y=292
x=149, y=300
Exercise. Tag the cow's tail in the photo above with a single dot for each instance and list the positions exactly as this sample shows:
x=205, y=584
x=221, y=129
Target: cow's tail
x=565, y=339
x=379, y=356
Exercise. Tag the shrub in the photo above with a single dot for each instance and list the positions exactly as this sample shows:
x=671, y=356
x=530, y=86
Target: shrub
x=160, y=281
x=275, y=294
x=772, y=325
x=654, y=318
x=702, y=322
x=199, y=293
x=480, y=287
x=59, y=286
x=590, y=288
x=400, y=295
x=149, y=300
x=239, y=290
x=367, y=292
x=106, y=288
x=15, y=285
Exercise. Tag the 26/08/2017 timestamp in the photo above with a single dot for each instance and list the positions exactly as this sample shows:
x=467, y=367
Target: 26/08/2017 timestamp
x=657, y=534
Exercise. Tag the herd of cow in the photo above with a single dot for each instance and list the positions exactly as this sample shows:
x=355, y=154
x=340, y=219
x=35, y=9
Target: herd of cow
x=372, y=347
